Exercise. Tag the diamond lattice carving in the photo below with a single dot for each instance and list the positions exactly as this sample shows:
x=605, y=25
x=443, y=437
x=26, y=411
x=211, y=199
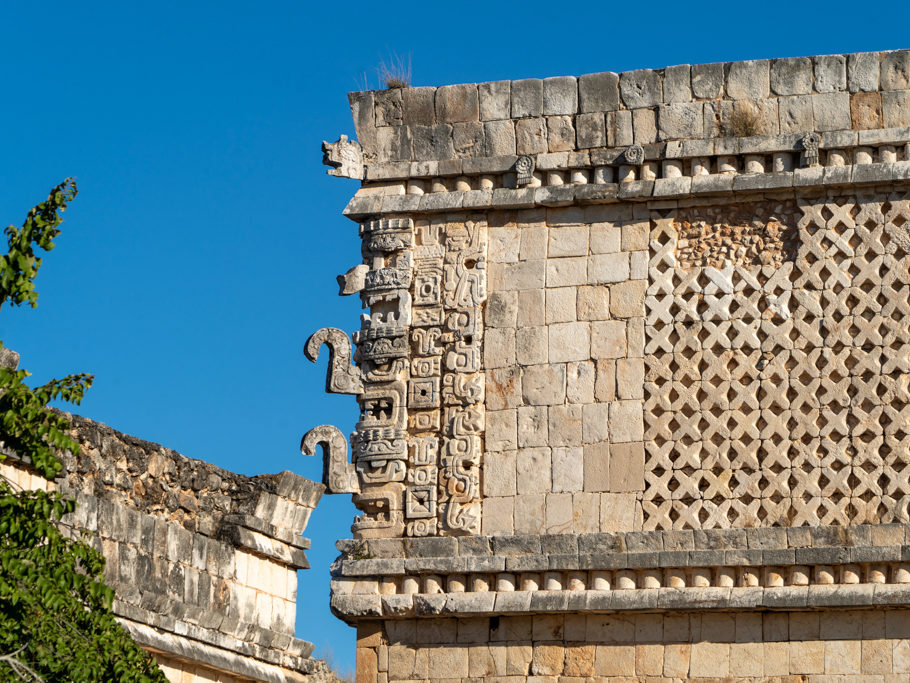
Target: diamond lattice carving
x=778, y=364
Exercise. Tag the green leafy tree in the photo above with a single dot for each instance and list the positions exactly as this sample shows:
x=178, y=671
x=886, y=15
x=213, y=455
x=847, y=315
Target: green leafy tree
x=56, y=622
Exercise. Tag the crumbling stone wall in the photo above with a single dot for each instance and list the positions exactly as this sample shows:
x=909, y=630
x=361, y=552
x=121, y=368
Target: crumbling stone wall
x=689, y=444
x=203, y=561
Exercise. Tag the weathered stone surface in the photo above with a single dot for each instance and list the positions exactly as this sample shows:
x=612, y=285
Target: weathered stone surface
x=863, y=71
x=796, y=114
x=866, y=110
x=560, y=96
x=457, y=103
x=598, y=92
x=749, y=80
x=644, y=125
x=432, y=142
x=677, y=86
x=830, y=73
x=707, y=80
x=418, y=106
x=590, y=130
x=896, y=108
x=895, y=70
x=791, y=76
x=544, y=384
x=641, y=88
x=495, y=100
x=684, y=120
x=527, y=98
x=531, y=136
x=560, y=133
x=831, y=112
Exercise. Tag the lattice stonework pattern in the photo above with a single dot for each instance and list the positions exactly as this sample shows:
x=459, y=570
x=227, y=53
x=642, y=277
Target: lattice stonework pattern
x=778, y=364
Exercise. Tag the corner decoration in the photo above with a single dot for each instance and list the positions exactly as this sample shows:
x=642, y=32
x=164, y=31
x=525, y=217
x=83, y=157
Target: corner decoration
x=345, y=158
x=416, y=451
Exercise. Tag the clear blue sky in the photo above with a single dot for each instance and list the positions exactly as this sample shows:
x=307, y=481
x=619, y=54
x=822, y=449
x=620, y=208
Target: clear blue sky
x=203, y=247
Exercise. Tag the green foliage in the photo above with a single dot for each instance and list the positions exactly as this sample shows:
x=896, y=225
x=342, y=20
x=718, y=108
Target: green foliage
x=56, y=622
x=19, y=267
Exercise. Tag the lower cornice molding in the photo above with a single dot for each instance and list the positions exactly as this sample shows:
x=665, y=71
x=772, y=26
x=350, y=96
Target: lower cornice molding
x=771, y=568
x=356, y=607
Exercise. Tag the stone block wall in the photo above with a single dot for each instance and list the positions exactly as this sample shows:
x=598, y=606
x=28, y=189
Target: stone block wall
x=865, y=91
x=203, y=562
x=791, y=647
x=701, y=328
x=564, y=362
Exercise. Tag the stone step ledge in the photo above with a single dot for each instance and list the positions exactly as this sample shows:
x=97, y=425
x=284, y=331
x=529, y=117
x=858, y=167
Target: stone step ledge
x=268, y=646
x=356, y=607
x=519, y=545
x=215, y=657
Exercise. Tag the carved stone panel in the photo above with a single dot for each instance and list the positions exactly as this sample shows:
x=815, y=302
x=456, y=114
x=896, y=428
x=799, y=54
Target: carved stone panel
x=777, y=364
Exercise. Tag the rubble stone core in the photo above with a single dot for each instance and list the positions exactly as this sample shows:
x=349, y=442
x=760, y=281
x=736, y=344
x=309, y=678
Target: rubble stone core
x=635, y=379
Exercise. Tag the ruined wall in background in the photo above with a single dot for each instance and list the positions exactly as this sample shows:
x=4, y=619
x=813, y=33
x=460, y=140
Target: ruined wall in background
x=203, y=562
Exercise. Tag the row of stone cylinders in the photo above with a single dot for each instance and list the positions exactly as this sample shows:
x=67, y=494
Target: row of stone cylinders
x=778, y=162
x=630, y=579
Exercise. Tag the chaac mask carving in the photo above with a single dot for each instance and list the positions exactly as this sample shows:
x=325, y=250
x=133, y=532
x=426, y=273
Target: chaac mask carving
x=417, y=448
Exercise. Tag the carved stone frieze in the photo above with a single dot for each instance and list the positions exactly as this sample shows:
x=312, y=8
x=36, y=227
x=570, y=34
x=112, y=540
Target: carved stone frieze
x=635, y=155
x=417, y=447
x=382, y=511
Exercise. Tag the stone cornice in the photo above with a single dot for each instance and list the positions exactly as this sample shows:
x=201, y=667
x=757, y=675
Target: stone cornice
x=697, y=188
x=800, y=567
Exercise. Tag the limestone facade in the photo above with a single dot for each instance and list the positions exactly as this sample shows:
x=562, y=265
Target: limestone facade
x=634, y=376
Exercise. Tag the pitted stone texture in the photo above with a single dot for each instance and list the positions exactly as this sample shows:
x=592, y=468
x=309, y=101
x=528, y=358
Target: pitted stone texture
x=527, y=98
x=677, y=87
x=830, y=73
x=792, y=76
x=748, y=80
x=598, y=92
x=560, y=96
x=457, y=103
x=642, y=88
x=863, y=71
x=707, y=80
x=895, y=70
x=495, y=100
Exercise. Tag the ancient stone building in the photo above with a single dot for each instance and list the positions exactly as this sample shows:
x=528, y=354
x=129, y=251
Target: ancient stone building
x=633, y=378
x=203, y=561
